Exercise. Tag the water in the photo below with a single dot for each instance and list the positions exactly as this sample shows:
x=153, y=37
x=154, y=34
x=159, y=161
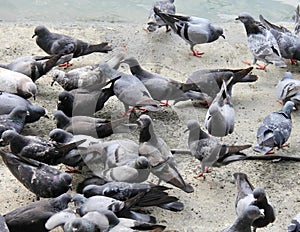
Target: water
x=71, y=11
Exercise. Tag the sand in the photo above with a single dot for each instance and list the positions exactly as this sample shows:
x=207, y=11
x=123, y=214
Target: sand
x=211, y=206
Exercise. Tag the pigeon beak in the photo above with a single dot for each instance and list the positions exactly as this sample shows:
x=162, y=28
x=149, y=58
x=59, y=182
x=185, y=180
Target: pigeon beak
x=33, y=35
x=223, y=36
x=33, y=97
x=139, y=122
x=46, y=116
x=52, y=83
x=186, y=130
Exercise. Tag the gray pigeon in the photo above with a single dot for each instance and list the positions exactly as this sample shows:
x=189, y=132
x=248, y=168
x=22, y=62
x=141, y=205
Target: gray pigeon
x=15, y=120
x=154, y=21
x=155, y=194
x=288, y=88
x=89, y=77
x=132, y=92
x=244, y=221
x=248, y=195
x=219, y=120
x=83, y=101
x=39, y=178
x=210, y=81
x=37, y=148
x=162, y=162
x=294, y=226
x=17, y=83
x=59, y=44
x=32, y=217
x=192, y=29
x=261, y=42
x=90, y=222
x=96, y=127
x=9, y=101
x=209, y=150
x=3, y=225
x=117, y=160
x=163, y=88
x=288, y=43
x=36, y=66
x=275, y=129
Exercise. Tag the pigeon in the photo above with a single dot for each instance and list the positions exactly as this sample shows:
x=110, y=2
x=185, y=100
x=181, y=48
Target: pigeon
x=154, y=196
x=297, y=21
x=59, y=44
x=36, y=66
x=15, y=120
x=192, y=29
x=244, y=221
x=294, y=226
x=219, y=120
x=210, y=81
x=32, y=217
x=209, y=150
x=163, y=88
x=3, y=225
x=275, y=129
x=9, y=101
x=37, y=148
x=132, y=92
x=117, y=160
x=39, y=178
x=288, y=88
x=82, y=101
x=261, y=42
x=95, y=127
x=17, y=83
x=154, y=21
x=288, y=42
x=162, y=162
x=93, y=180
x=248, y=195
x=89, y=77
x=90, y=222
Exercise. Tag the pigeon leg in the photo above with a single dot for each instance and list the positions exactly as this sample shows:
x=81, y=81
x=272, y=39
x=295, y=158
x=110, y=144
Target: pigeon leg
x=164, y=103
x=198, y=54
x=280, y=102
x=72, y=170
x=293, y=61
x=66, y=64
x=201, y=174
x=247, y=62
x=261, y=67
x=168, y=28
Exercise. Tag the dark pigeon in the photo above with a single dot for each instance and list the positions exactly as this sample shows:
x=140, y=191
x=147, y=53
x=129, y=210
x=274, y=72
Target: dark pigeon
x=36, y=66
x=155, y=194
x=158, y=153
x=209, y=150
x=83, y=102
x=275, y=129
x=59, y=44
x=154, y=21
x=32, y=217
x=163, y=88
x=261, y=42
x=9, y=101
x=192, y=29
x=288, y=42
x=244, y=221
x=15, y=120
x=248, y=195
x=95, y=127
x=39, y=178
x=93, y=180
x=37, y=148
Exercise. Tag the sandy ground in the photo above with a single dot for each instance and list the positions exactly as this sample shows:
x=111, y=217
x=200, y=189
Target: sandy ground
x=211, y=206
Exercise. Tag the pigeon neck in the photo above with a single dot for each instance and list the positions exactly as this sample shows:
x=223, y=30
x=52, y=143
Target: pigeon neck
x=196, y=134
x=136, y=69
x=147, y=134
x=242, y=223
x=18, y=142
x=252, y=28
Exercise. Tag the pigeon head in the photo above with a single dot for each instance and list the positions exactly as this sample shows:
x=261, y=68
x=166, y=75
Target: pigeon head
x=288, y=107
x=61, y=202
x=67, y=179
x=259, y=194
x=78, y=200
x=58, y=76
x=253, y=212
x=40, y=30
x=60, y=136
x=142, y=163
x=28, y=90
x=245, y=18
x=192, y=125
x=144, y=121
x=9, y=135
x=287, y=75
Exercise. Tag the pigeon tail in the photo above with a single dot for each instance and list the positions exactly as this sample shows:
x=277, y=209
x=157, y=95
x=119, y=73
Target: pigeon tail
x=102, y=47
x=167, y=18
x=235, y=149
x=173, y=206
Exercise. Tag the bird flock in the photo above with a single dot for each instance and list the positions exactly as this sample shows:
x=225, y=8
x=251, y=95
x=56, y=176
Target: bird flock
x=116, y=190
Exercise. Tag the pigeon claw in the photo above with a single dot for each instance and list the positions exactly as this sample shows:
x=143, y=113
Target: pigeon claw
x=261, y=67
x=164, y=103
x=201, y=174
x=198, y=54
x=72, y=170
x=247, y=63
x=293, y=61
